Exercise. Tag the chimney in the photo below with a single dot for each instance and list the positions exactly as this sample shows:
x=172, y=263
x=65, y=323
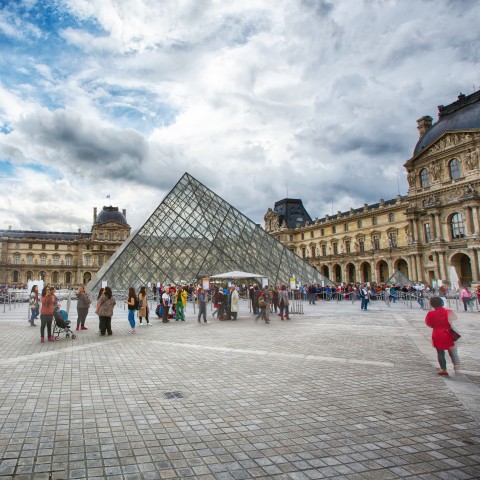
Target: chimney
x=94, y=214
x=424, y=124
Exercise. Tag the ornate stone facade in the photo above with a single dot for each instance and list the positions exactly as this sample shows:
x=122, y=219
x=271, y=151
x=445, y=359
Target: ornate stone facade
x=431, y=234
x=61, y=258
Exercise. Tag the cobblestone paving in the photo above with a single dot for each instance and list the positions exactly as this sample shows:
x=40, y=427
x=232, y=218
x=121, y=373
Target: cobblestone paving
x=334, y=393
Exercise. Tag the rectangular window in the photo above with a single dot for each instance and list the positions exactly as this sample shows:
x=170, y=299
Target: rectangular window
x=56, y=260
x=30, y=246
x=69, y=247
x=345, y=227
x=374, y=220
x=16, y=259
x=303, y=236
x=291, y=238
x=391, y=217
x=87, y=261
x=100, y=260
x=361, y=244
x=360, y=223
x=110, y=236
x=56, y=247
x=322, y=232
x=324, y=250
x=428, y=233
x=393, y=239
x=335, y=248
x=43, y=260
x=376, y=242
x=347, y=246
x=29, y=259
x=304, y=252
x=311, y=234
x=43, y=246
x=68, y=260
x=334, y=229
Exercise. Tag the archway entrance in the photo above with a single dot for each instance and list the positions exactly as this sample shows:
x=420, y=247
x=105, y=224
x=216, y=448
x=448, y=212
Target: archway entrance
x=338, y=273
x=366, y=272
x=325, y=271
x=351, y=273
x=383, y=271
x=462, y=266
x=402, y=265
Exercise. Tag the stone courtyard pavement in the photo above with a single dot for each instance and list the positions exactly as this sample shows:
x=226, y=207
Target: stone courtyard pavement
x=334, y=393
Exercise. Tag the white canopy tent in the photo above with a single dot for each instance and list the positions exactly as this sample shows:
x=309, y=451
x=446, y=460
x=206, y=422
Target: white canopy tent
x=237, y=274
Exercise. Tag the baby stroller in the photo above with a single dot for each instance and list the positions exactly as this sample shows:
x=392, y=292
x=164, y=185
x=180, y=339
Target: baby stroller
x=61, y=325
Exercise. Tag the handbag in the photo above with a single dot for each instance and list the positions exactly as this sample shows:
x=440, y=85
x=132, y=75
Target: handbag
x=455, y=335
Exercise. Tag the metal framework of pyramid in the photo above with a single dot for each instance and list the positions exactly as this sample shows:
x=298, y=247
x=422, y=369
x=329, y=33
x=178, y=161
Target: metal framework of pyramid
x=194, y=233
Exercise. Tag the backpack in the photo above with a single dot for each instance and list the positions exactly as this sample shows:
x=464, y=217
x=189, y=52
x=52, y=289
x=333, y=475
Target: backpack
x=136, y=304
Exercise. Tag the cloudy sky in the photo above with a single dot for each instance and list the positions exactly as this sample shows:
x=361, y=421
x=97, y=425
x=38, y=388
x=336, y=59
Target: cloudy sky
x=254, y=98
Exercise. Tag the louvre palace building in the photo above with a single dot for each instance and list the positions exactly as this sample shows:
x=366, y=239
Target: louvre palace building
x=61, y=258
x=432, y=234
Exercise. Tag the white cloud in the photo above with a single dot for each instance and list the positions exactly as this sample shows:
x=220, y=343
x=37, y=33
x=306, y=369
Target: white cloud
x=246, y=96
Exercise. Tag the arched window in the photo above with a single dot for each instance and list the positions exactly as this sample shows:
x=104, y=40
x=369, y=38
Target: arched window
x=424, y=178
x=457, y=224
x=15, y=276
x=454, y=168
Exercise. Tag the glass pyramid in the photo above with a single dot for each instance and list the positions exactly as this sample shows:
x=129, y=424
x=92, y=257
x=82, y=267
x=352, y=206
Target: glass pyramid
x=194, y=234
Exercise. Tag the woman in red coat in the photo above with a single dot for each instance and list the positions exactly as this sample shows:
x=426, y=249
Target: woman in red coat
x=439, y=319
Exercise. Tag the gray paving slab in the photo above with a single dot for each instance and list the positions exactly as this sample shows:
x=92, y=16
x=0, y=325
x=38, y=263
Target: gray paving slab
x=333, y=393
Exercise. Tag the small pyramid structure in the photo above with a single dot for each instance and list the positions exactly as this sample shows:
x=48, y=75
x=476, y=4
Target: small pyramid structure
x=399, y=278
x=193, y=234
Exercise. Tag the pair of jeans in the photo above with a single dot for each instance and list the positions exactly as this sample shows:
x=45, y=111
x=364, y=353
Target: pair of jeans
x=82, y=316
x=131, y=318
x=46, y=321
x=202, y=311
x=364, y=303
x=180, y=314
x=453, y=355
x=34, y=314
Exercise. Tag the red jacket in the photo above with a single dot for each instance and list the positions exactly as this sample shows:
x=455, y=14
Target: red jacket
x=47, y=305
x=438, y=320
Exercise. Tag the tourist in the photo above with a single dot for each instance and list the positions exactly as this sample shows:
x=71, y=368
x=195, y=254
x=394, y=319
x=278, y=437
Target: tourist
x=180, y=303
x=466, y=299
x=105, y=306
x=202, y=305
x=234, y=297
x=440, y=320
x=275, y=298
x=216, y=305
x=143, y=302
x=132, y=303
x=283, y=303
x=34, y=305
x=46, y=314
x=165, y=305
x=365, y=296
x=83, y=303
x=102, y=289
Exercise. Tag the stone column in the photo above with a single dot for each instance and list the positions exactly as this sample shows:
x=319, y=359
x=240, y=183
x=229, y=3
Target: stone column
x=413, y=268
x=476, y=226
x=438, y=227
x=475, y=265
x=442, y=266
x=419, y=268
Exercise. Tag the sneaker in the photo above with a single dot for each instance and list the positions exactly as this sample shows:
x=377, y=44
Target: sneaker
x=78, y=328
x=51, y=339
x=42, y=340
x=149, y=324
x=84, y=328
x=132, y=331
x=443, y=373
x=140, y=324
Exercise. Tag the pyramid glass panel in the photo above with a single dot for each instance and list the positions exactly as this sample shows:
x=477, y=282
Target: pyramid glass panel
x=194, y=233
